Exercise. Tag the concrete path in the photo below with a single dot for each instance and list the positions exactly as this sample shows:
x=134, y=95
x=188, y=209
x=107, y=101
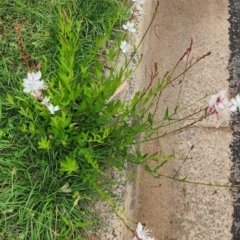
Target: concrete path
x=182, y=211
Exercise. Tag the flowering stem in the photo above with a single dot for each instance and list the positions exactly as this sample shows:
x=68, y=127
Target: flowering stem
x=198, y=59
x=170, y=133
x=144, y=35
x=199, y=183
x=183, y=162
x=187, y=53
x=178, y=120
x=124, y=222
x=21, y=49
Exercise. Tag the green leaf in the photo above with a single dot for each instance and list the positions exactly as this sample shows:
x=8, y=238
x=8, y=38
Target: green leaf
x=10, y=99
x=150, y=118
x=147, y=168
x=184, y=179
x=44, y=143
x=175, y=109
x=69, y=165
x=87, y=153
x=83, y=224
x=26, y=113
x=160, y=165
x=166, y=114
x=0, y=109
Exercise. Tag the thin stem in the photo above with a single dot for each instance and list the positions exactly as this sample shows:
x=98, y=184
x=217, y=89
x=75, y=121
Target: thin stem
x=188, y=53
x=199, y=59
x=144, y=35
x=21, y=49
x=169, y=133
x=178, y=120
x=183, y=162
x=198, y=183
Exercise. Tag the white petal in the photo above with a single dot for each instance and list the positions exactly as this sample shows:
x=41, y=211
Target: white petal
x=125, y=27
x=234, y=101
x=238, y=99
x=212, y=100
x=37, y=75
x=50, y=108
x=27, y=84
x=221, y=105
x=139, y=7
x=123, y=44
x=131, y=25
x=41, y=85
x=27, y=90
x=142, y=233
x=133, y=30
x=56, y=108
x=36, y=93
x=222, y=94
x=34, y=76
x=45, y=101
x=26, y=80
x=225, y=101
x=139, y=226
x=233, y=108
x=30, y=76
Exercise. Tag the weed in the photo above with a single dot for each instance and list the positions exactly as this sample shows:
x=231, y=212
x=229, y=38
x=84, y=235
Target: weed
x=61, y=134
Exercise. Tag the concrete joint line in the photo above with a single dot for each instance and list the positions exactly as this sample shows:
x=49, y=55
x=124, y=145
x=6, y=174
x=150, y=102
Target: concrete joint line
x=234, y=80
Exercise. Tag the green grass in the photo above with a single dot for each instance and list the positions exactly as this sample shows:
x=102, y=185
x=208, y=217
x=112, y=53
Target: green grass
x=39, y=29
x=32, y=204
x=53, y=166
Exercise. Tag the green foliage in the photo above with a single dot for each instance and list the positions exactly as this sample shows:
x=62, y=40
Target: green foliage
x=53, y=165
x=69, y=165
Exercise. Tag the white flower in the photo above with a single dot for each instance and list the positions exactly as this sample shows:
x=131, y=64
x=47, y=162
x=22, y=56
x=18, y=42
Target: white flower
x=235, y=103
x=52, y=109
x=217, y=98
x=139, y=1
x=123, y=46
x=142, y=233
x=33, y=85
x=135, y=238
x=30, y=85
x=138, y=11
x=149, y=238
x=223, y=107
x=34, y=76
x=45, y=101
x=220, y=103
x=129, y=26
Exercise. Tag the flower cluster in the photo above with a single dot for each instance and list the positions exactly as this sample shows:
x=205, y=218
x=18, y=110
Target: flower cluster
x=221, y=104
x=129, y=26
x=34, y=86
x=137, y=8
x=142, y=233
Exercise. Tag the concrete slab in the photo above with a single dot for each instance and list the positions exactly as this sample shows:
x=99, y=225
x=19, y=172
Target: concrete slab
x=177, y=210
